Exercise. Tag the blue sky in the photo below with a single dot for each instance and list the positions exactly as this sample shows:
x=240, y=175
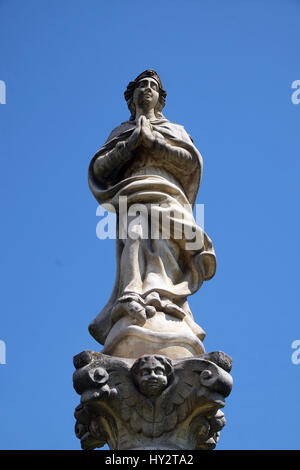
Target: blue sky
x=228, y=69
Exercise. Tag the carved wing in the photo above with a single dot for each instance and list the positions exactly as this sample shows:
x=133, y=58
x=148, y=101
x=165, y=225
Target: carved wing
x=100, y=379
x=136, y=409
x=199, y=384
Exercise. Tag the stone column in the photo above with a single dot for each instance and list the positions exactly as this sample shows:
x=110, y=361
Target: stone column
x=152, y=386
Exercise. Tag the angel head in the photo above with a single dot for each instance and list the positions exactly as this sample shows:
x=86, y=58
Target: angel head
x=152, y=374
x=146, y=89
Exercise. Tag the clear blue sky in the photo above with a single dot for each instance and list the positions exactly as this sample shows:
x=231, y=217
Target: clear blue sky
x=228, y=67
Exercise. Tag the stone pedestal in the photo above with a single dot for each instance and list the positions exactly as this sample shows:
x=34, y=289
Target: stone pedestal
x=160, y=334
x=151, y=403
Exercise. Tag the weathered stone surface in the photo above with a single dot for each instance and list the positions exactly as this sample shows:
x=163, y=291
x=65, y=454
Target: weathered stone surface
x=151, y=403
x=153, y=386
x=163, y=256
x=159, y=334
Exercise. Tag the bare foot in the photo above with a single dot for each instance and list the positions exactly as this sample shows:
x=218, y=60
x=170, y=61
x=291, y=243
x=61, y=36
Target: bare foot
x=173, y=309
x=150, y=310
x=131, y=308
x=153, y=299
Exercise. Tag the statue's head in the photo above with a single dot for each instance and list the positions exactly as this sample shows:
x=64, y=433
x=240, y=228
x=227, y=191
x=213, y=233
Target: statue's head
x=135, y=91
x=152, y=374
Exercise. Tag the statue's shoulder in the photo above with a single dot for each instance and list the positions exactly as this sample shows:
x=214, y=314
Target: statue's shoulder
x=185, y=135
x=177, y=129
x=117, y=131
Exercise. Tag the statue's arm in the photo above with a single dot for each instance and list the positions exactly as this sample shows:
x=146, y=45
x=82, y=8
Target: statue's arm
x=175, y=156
x=107, y=164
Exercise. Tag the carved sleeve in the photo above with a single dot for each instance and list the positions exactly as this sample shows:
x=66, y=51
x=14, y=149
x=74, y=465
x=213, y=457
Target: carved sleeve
x=106, y=166
x=177, y=157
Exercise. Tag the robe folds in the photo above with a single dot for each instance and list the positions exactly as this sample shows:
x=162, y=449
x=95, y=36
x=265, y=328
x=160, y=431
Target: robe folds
x=161, y=251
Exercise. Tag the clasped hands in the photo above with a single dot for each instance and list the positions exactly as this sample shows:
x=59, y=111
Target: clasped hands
x=142, y=136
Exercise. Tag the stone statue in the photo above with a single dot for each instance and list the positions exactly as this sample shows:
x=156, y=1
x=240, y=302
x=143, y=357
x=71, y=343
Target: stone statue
x=152, y=386
x=150, y=161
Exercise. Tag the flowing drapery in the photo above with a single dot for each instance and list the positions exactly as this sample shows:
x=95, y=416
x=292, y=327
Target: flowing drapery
x=165, y=181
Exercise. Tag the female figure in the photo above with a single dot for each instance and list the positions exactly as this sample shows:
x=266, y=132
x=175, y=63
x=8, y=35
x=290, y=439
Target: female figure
x=152, y=162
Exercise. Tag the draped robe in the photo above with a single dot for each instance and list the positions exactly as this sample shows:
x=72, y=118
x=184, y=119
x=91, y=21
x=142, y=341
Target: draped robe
x=165, y=180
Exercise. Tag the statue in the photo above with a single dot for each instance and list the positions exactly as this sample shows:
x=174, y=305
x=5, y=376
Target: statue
x=153, y=162
x=152, y=386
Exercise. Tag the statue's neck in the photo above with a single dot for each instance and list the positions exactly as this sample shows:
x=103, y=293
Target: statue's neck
x=148, y=113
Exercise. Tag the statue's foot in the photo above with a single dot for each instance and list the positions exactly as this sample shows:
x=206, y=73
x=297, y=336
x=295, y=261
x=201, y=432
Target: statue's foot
x=153, y=300
x=131, y=308
x=155, y=304
x=173, y=309
x=150, y=310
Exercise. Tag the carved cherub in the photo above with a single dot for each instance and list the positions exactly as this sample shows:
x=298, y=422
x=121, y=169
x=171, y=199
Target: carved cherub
x=152, y=374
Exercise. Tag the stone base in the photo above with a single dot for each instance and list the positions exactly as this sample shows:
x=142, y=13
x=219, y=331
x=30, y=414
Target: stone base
x=151, y=403
x=160, y=334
